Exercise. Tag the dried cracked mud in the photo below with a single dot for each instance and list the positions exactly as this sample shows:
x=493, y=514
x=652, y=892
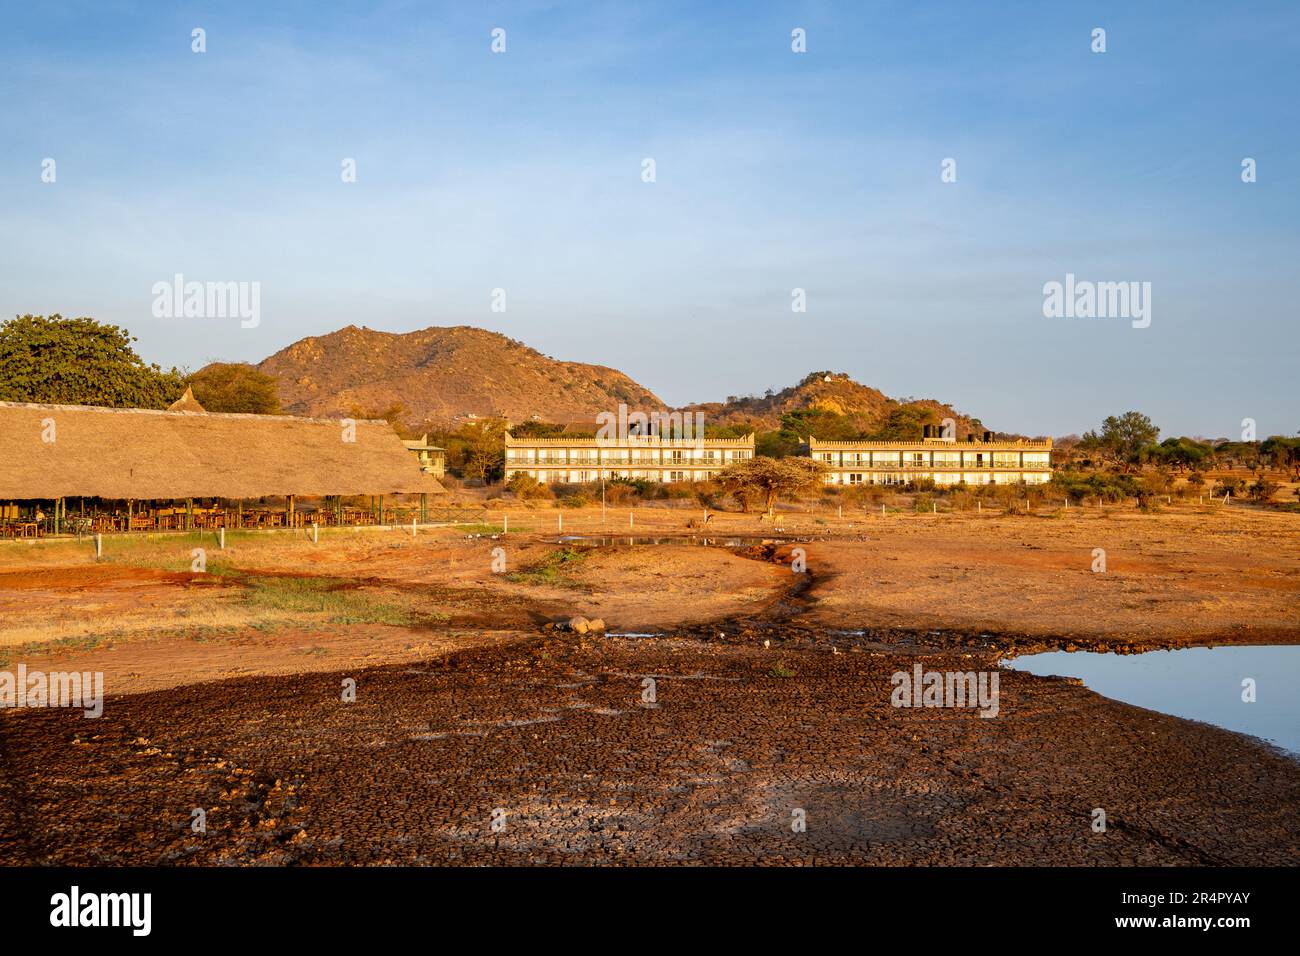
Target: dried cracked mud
x=554, y=733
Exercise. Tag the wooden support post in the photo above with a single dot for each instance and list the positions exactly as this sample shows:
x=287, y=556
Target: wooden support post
x=292, y=509
x=424, y=507
x=381, y=509
x=57, y=503
x=189, y=514
x=130, y=513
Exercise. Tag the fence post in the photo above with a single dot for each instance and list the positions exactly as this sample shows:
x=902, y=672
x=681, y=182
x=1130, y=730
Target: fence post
x=99, y=546
x=315, y=533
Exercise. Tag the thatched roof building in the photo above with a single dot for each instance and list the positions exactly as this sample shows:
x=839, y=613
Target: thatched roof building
x=68, y=451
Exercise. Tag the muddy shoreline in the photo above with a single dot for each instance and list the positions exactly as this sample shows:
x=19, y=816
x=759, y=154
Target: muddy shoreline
x=554, y=731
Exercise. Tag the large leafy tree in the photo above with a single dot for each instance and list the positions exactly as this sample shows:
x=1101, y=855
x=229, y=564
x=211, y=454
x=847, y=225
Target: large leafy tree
x=479, y=448
x=765, y=479
x=1124, y=437
x=79, y=362
x=905, y=423
x=235, y=387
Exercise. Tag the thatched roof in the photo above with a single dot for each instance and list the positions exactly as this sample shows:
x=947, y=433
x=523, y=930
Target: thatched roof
x=145, y=454
x=186, y=403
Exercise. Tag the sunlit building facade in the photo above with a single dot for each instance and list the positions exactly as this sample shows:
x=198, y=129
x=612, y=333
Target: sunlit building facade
x=565, y=460
x=976, y=461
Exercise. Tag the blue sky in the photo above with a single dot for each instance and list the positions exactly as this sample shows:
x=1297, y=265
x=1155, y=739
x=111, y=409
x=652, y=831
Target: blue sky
x=775, y=170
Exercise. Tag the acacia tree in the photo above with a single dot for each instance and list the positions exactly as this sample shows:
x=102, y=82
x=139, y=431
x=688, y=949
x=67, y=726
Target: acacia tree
x=1284, y=452
x=79, y=362
x=482, y=448
x=766, y=479
x=1123, y=437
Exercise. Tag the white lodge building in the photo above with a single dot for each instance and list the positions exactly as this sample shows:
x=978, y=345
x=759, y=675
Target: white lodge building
x=974, y=461
x=573, y=460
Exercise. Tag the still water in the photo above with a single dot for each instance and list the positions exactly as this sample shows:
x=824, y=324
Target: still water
x=1199, y=683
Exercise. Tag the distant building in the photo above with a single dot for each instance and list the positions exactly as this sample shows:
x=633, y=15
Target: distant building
x=433, y=459
x=570, y=460
x=976, y=461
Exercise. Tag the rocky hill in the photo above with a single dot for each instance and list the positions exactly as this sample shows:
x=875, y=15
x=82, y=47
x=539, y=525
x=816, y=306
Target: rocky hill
x=443, y=375
x=867, y=409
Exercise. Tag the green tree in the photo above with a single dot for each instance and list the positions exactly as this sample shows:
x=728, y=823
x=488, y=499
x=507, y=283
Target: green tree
x=235, y=387
x=1181, y=454
x=79, y=362
x=765, y=479
x=536, y=429
x=1124, y=437
x=481, y=448
x=906, y=423
x=1284, y=452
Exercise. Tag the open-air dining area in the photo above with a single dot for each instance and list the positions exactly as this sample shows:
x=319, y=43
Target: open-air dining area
x=42, y=519
x=75, y=470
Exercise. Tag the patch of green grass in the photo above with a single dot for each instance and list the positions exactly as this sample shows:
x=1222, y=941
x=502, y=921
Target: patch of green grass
x=338, y=598
x=780, y=670
x=87, y=643
x=551, y=569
